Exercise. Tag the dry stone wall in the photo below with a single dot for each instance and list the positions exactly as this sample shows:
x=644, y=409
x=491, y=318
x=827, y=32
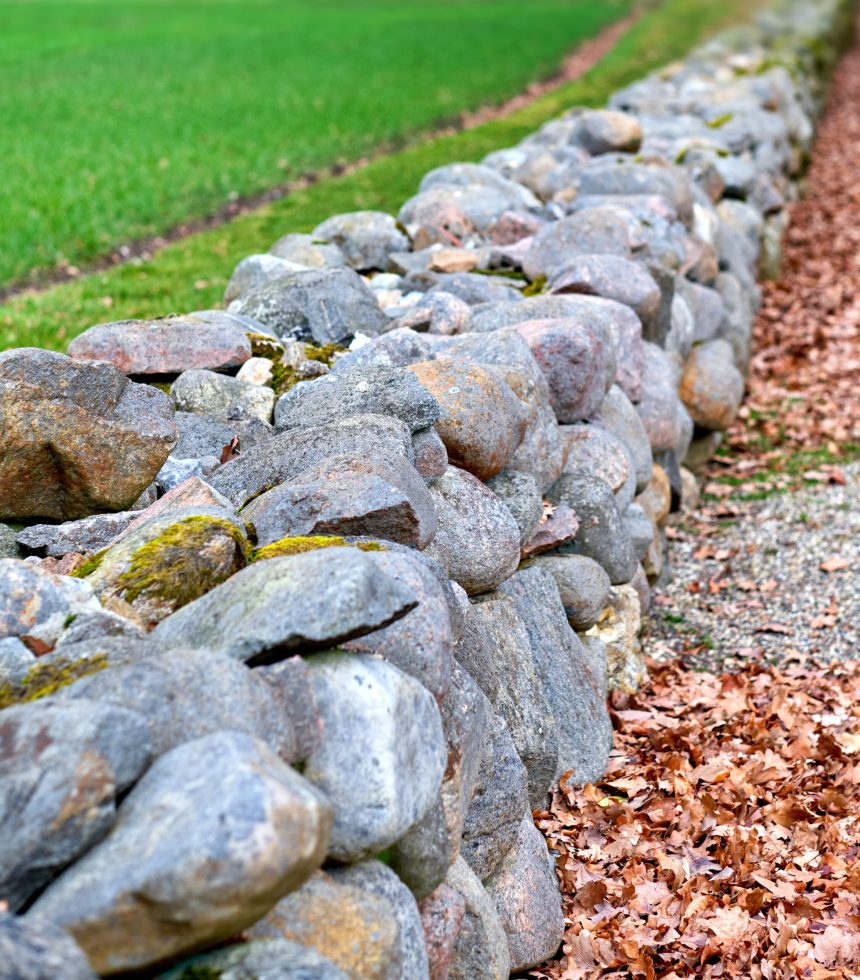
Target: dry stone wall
x=318, y=595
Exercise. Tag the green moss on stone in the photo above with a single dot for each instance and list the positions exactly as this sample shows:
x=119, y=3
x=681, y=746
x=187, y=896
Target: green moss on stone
x=46, y=678
x=536, y=287
x=324, y=354
x=720, y=121
x=90, y=565
x=300, y=544
x=173, y=565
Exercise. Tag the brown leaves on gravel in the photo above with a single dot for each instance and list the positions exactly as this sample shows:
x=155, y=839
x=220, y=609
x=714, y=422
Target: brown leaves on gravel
x=724, y=840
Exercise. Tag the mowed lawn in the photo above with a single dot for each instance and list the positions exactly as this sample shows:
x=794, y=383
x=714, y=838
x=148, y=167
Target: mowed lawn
x=122, y=118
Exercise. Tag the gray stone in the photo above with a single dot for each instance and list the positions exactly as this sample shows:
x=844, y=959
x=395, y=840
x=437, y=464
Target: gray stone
x=707, y=307
x=601, y=535
x=36, y=605
x=606, y=131
x=473, y=288
x=477, y=540
x=583, y=585
x=442, y=915
x=618, y=416
x=382, y=754
x=660, y=407
x=254, y=271
x=8, y=542
x=520, y=494
x=366, y=238
x=498, y=802
x=641, y=531
x=90, y=627
x=351, y=926
x=327, y=306
x=431, y=456
x=78, y=437
x=575, y=690
x=379, y=497
x=421, y=642
x=526, y=893
x=471, y=175
x=175, y=471
x=398, y=348
x=441, y=311
x=32, y=949
x=374, y=878
x=594, y=450
x=87, y=534
x=192, y=860
x=509, y=679
x=374, y=390
x=481, y=949
x=598, y=230
x=613, y=277
x=15, y=660
x=290, y=680
x=185, y=694
x=632, y=178
x=208, y=435
x=305, y=601
x=63, y=766
x=306, y=250
x=260, y=959
x=222, y=396
x=286, y=455
x=166, y=346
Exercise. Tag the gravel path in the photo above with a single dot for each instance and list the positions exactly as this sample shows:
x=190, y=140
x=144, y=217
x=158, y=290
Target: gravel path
x=780, y=579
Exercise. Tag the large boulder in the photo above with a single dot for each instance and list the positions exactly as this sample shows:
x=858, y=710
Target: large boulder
x=597, y=230
x=711, y=386
x=366, y=238
x=210, y=838
x=78, y=437
x=167, y=346
x=301, y=602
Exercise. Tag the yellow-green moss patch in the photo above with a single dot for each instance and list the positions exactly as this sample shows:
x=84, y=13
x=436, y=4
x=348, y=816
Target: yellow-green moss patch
x=90, y=565
x=44, y=679
x=300, y=544
x=535, y=287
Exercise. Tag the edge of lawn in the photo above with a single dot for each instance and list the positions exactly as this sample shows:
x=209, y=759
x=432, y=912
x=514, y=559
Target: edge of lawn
x=191, y=273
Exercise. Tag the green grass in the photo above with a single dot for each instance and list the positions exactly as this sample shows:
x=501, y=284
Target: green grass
x=191, y=274
x=121, y=118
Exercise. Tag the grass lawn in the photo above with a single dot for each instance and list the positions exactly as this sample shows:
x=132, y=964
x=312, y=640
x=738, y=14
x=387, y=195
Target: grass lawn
x=191, y=273
x=121, y=118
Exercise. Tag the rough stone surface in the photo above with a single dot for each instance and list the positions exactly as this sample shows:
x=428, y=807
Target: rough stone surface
x=382, y=753
x=167, y=346
x=32, y=949
x=279, y=959
x=208, y=435
x=481, y=948
x=597, y=230
x=78, y=438
x=613, y=277
x=254, y=833
x=301, y=602
x=442, y=914
x=477, y=540
x=366, y=238
x=583, y=585
x=520, y=494
x=222, y=396
x=87, y=534
x=711, y=386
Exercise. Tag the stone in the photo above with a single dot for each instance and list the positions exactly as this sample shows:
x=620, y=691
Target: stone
x=352, y=927
x=574, y=685
x=510, y=680
x=440, y=311
x=618, y=631
x=254, y=271
x=578, y=360
x=79, y=437
x=177, y=471
x=656, y=498
x=168, y=561
x=186, y=694
x=481, y=421
x=640, y=528
x=583, y=586
x=711, y=386
x=601, y=535
x=474, y=288
x=606, y=131
x=472, y=175
x=498, y=802
x=706, y=304
x=308, y=251
x=558, y=525
x=366, y=238
x=63, y=766
x=397, y=348
x=222, y=396
x=606, y=176
x=613, y=277
x=286, y=455
x=256, y=371
x=382, y=754
x=380, y=497
x=16, y=660
x=301, y=602
x=290, y=680
x=280, y=959
x=526, y=893
x=145, y=893
x=594, y=450
x=618, y=415
x=169, y=345
x=481, y=949
x=36, y=605
x=659, y=407
x=192, y=492
x=442, y=914
x=324, y=306
x=9, y=543
x=595, y=231
x=477, y=540
x=87, y=534
x=370, y=389
x=421, y=642
x=31, y=949
x=431, y=456
x=374, y=878
x=520, y=494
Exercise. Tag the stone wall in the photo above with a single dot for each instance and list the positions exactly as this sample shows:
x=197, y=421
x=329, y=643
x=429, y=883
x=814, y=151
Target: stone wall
x=317, y=596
